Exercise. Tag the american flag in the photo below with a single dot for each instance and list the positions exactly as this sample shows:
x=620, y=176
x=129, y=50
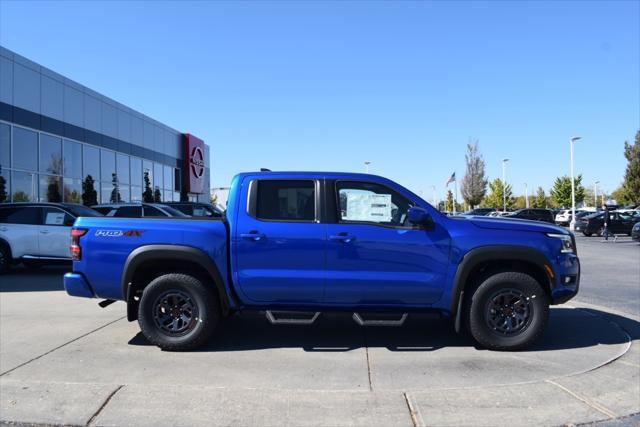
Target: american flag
x=451, y=179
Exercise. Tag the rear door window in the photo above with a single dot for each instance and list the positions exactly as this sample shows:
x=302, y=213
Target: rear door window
x=286, y=200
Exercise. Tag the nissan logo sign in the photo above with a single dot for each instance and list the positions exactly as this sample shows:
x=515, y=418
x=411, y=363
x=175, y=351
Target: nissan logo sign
x=197, y=162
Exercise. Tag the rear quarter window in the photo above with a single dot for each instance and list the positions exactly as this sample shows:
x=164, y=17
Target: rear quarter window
x=21, y=215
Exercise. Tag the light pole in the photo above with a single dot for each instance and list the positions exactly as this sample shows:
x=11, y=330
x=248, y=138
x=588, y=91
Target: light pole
x=595, y=194
x=366, y=166
x=504, y=184
x=526, y=196
x=572, y=224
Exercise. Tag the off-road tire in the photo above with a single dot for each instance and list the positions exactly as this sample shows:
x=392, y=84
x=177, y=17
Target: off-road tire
x=479, y=305
x=206, y=312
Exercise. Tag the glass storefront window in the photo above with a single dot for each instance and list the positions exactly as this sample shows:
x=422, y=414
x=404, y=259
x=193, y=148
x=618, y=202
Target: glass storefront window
x=157, y=176
x=122, y=168
x=176, y=196
x=72, y=190
x=25, y=149
x=50, y=188
x=107, y=165
x=5, y=145
x=136, y=171
x=5, y=186
x=91, y=162
x=108, y=195
x=136, y=193
x=72, y=159
x=50, y=154
x=168, y=178
x=23, y=186
x=124, y=194
x=168, y=196
x=147, y=169
x=176, y=180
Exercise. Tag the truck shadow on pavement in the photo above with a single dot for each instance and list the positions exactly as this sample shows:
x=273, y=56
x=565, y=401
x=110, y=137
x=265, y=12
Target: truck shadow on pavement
x=43, y=279
x=568, y=329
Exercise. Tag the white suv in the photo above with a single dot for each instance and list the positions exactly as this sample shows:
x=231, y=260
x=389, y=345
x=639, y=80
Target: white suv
x=37, y=233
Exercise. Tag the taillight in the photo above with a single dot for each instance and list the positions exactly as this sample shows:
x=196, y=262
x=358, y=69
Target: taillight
x=76, y=251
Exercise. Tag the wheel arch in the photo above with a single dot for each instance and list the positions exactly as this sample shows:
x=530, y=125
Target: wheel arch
x=487, y=260
x=150, y=261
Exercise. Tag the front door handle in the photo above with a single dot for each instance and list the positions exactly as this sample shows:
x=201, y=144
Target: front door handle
x=3, y=228
x=44, y=231
x=343, y=237
x=254, y=235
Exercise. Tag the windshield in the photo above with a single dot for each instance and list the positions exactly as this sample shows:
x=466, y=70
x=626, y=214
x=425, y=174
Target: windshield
x=171, y=211
x=79, y=210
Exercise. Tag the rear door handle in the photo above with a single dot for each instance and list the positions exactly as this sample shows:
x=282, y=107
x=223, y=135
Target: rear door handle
x=346, y=238
x=44, y=231
x=254, y=235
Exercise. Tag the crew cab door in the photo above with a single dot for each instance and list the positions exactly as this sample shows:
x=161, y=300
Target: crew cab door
x=279, y=243
x=374, y=255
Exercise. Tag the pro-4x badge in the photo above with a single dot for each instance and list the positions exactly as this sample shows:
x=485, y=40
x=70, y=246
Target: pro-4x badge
x=118, y=233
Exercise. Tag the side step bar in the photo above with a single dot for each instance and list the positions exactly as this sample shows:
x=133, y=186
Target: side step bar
x=292, y=317
x=360, y=320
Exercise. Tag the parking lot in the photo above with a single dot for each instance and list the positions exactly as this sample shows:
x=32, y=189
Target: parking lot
x=65, y=361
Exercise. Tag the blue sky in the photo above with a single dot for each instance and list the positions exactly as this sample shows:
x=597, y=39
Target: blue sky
x=328, y=85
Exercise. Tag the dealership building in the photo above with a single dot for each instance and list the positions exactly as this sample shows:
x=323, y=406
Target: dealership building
x=63, y=142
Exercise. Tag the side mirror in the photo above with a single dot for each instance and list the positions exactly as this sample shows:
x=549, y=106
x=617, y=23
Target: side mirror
x=419, y=216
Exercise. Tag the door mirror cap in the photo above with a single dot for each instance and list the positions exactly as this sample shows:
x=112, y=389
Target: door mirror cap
x=419, y=216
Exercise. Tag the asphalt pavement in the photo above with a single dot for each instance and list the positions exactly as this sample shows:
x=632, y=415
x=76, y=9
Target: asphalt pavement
x=64, y=361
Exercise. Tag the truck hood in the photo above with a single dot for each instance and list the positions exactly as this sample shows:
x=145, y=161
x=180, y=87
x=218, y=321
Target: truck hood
x=515, y=224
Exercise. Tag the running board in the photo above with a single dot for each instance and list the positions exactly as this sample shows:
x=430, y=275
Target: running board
x=379, y=322
x=292, y=317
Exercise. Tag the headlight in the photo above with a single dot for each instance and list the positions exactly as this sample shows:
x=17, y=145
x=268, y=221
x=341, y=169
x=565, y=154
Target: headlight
x=567, y=242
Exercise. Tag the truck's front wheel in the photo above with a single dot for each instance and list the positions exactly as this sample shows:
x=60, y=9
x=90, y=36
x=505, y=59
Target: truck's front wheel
x=177, y=312
x=508, y=311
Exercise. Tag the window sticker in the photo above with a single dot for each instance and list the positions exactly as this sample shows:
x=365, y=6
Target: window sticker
x=54, y=218
x=368, y=207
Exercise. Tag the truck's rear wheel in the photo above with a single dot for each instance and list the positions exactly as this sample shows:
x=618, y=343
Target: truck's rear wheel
x=178, y=312
x=508, y=311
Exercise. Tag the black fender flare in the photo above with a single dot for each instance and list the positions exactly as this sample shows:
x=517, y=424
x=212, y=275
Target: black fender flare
x=492, y=253
x=146, y=253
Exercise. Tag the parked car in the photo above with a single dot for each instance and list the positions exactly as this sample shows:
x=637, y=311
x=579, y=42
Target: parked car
x=619, y=223
x=197, y=209
x=480, y=211
x=543, y=215
x=564, y=217
x=296, y=244
x=498, y=214
x=635, y=232
x=37, y=233
x=138, y=210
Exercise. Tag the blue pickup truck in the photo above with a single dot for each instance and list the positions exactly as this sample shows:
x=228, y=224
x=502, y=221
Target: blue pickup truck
x=296, y=244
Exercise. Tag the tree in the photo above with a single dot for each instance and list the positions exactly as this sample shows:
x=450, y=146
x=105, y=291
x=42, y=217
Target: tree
x=115, y=192
x=53, y=189
x=213, y=198
x=519, y=202
x=157, y=195
x=561, y=191
x=620, y=196
x=631, y=183
x=449, y=203
x=540, y=201
x=3, y=190
x=21, y=196
x=474, y=184
x=147, y=194
x=494, y=198
x=89, y=193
